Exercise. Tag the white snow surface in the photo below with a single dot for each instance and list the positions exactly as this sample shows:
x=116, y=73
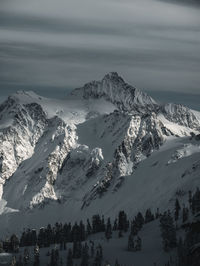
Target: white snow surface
x=185, y=151
x=116, y=248
x=71, y=110
x=106, y=147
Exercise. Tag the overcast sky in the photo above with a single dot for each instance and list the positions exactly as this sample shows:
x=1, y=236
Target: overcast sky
x=49, y=44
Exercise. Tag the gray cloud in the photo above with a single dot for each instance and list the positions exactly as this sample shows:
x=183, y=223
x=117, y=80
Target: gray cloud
x=195, y=3
x=64, y=43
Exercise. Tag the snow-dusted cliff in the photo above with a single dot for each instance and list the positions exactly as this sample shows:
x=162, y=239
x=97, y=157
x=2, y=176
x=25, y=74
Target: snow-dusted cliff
x=89, y=147
x=21, y=128
x=114, y=89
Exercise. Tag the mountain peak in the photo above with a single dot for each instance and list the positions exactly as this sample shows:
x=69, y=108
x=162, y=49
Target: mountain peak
x=113, y=88
x=22, y=97
x=113, y=76
x=21, y=94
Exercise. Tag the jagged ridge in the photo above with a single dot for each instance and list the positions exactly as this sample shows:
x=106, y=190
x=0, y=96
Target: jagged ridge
x=113, y=88
x=97, y=153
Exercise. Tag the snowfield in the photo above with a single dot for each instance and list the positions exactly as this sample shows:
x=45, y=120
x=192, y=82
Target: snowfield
x=106, y=147
x=116, y=249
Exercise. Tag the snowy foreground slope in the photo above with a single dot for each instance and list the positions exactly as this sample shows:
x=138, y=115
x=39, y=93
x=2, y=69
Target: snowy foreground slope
x=116, y=248
x=106, y=147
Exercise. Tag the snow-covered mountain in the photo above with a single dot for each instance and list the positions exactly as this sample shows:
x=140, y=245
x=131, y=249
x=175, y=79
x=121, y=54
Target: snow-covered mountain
x=114, y=89
x=105, y=147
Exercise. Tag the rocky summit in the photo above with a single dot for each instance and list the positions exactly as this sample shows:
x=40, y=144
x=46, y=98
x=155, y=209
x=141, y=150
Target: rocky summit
x=99, y=149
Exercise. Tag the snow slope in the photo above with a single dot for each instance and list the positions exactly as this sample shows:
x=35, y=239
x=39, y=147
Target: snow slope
x=114, y=89
x=154, y=183
x=106, y=147
x=116, y=248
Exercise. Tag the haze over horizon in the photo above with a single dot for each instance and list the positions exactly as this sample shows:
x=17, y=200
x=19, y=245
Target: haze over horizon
x=50, y=46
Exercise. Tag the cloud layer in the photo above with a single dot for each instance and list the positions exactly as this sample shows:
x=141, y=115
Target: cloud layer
x=65, y=43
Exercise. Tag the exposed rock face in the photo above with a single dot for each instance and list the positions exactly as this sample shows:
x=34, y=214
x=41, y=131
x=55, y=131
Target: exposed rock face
x=46, y=158
x=113, y=88
x=35, y=177
x=142, y=135
x=23, y=128
x=81, y=166
x=181, y=115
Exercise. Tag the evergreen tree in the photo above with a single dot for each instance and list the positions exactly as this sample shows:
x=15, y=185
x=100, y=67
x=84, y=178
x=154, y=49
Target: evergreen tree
x=85, y=256
x=99, y=247
x=98, y=259
x=54, y=257
x=108, y=232
x=70, y=258
x=26, y=256
x=196, y=201
x=33, y=237
x=13, y=262
x=139, y=220
x=120, y=234
x=1, y=247
x=19, y=262
x=134, y=228
x=96, y=224
x=148, y=216
x=122, y=221
x=52, y=260
x=89, y=228
x=115, y=226
x=177, y=209
x=36, y=256
x=157, y=214
x=131, y=244
x=138, y=244
x=168, y=231
x=49, y=235
x=61, y=245
x=6, y=245
x=103, y=227
x=182, y=253
x=14, y=243
x=191, y=243
x=92, y=248
x=41, y=237
x=190, y=198
x=61, y=262
x=117, y=263
x=76, y=235
x=77, y=249
x=82, y=231
x=185, y=214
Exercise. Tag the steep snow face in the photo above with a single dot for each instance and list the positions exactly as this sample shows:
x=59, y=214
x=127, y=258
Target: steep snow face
x=141, y=135
x=26, y=116
x=181, y=115
x=185, y=151
x=79, y=170
x=144, y=135
x=71, y=110
x=114, y=89
x=18, y=136
x=153, y=184
x=40, y=171
x=83, y=149
x=125, y=140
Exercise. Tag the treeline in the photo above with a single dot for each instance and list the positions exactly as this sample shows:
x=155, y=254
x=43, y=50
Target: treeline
x=84, y=253
x=65, y=233
x=188, y=248
x=60, y=234
x=187, y=219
